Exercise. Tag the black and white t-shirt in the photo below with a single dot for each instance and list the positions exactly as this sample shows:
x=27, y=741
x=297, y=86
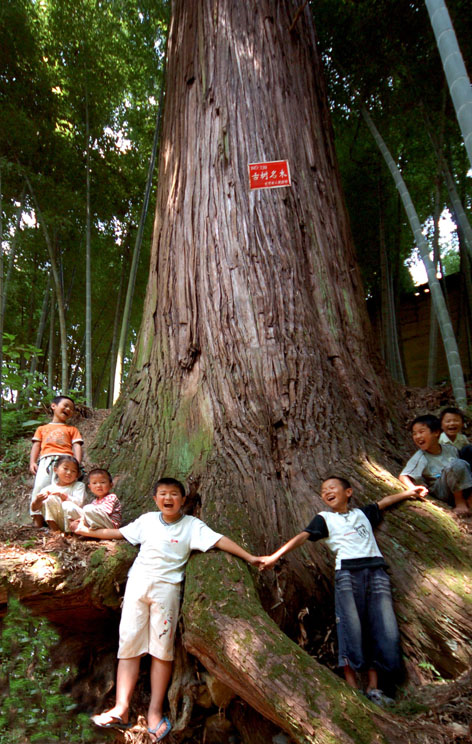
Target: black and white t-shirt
x=350, y=536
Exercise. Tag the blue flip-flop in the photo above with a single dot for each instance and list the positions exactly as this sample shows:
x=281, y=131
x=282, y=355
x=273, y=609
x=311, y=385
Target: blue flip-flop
x=164, y=733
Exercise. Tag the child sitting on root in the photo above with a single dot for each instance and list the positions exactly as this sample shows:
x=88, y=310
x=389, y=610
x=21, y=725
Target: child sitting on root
x=436, y=467
x=105, y=509
x=49, y=442
x=59, y=504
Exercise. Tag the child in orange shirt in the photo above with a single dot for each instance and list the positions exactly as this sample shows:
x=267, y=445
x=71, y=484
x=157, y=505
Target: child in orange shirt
x=50, y=441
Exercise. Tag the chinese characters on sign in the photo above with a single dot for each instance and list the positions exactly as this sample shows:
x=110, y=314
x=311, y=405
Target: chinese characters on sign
x=269, y=175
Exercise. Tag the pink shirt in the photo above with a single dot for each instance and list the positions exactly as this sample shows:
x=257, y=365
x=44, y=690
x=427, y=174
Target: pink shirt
x=111, y=506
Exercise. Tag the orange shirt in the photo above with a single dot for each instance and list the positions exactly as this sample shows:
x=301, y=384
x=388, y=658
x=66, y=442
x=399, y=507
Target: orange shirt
x=57, y=439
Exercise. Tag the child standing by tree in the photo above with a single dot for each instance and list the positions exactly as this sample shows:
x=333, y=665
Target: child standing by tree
x=60, y=502
x=368, y=636
x=152, y=597
x=50, y=441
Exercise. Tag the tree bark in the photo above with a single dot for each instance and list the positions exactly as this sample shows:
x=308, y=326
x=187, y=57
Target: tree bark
x=255, y=376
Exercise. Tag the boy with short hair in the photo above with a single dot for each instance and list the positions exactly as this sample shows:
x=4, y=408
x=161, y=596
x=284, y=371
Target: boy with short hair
x=436, y=467
x=105, y=509
x=452, y=423
x=152, y=597
x=50, y=441
x=367, y=630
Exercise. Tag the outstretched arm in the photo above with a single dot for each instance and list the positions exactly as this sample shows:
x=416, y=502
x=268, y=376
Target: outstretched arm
x=267, y=561
x=409, y=484
x=417, y=492
x=105, y=533
x=229, y=546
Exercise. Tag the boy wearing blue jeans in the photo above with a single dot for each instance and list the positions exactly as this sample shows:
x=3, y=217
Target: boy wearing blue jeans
x=367, y=630
x=152, y=597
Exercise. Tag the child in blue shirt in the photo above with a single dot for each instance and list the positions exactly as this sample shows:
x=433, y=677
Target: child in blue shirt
x=436, y=467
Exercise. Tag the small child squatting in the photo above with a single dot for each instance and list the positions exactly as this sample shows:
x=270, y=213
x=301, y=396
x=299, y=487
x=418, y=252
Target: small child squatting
x=367, y=630
x=105, y=509
x=60, y=503
x=152, y=597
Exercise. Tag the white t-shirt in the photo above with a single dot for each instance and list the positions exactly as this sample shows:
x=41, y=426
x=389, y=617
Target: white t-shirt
x=350, y=535
x=459, y=442
x=75, y=492
x=165, y=548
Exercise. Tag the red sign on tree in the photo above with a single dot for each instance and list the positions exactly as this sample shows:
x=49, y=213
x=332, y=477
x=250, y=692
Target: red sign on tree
x=269, y=175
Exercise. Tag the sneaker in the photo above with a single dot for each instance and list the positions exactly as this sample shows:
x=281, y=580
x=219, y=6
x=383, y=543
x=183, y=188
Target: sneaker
x=379, y=698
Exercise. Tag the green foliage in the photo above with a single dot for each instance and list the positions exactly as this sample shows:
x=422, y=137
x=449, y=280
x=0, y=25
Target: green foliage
x=15, y=456
x=32, y=706
x=383, y=53
x=62, y=63
x=24, y=393
x=22, y=390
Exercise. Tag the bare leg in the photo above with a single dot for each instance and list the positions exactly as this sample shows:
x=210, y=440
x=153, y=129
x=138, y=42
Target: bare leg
x=126, y=678
x=461, y=504
x=372, y=680
x=38, y=520
x=350, y=676
x=160, y=675
x=53, y=526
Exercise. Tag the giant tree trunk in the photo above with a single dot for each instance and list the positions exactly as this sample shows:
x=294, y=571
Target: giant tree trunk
x=255, y=377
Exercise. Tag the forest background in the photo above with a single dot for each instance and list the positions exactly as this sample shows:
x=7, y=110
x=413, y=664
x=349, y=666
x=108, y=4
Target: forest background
x=80, y=89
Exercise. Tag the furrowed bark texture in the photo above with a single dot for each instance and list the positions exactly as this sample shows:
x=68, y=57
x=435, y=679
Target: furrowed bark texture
x=254, y=375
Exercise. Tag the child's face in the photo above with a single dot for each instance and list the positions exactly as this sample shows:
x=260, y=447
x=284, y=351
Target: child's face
x=451, y=425
x=100, y=485
x=425, y=439
x=63, y=410
x=335, y=495
x=169, y=501
x=66, y=473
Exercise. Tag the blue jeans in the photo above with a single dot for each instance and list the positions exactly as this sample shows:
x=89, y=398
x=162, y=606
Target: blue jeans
x=368, y=636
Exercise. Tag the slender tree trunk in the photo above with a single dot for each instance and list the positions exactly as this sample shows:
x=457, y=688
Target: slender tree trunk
x=88, y=274
x=57, y=287
x=114, y=340
x=41, y=326
x=433, y=323
x=52, y=342
x=11, y=255
x=255, y=374
x=389, y=322
x=2, y=303
x=137, y=250
x=454, y=68
x=437, y=297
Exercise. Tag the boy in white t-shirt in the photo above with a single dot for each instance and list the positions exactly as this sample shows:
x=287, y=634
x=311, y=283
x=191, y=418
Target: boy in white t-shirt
x=151, y=602
x=367, y=630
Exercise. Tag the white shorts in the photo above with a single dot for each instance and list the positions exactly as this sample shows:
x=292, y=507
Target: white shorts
x=149, y=618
